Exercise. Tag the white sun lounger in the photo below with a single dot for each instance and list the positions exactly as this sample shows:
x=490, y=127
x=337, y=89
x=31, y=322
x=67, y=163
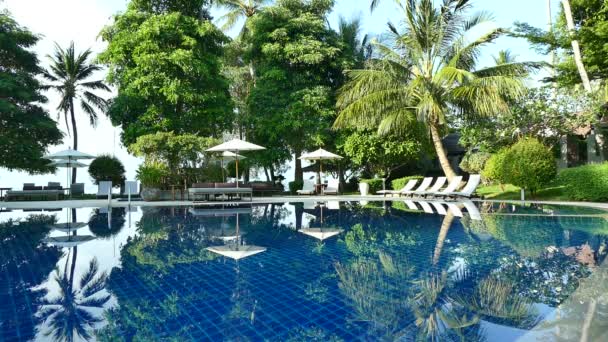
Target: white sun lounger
x=408, y=187
x=332, y=187
x=454, y=184
x=439, y=183
x=468, y=189
x=307, y=189
x=426, y=182
x=104, y=189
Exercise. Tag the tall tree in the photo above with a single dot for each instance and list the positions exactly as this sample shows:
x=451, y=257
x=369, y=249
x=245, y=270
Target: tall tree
x=27, y=129
x=578, y=37
x=69, y=75
x=237, y=10
x=298, y=62
x=429, y=73
x=166, y=64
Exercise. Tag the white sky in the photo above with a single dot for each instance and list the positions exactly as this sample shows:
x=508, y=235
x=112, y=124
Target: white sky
x=62, y=21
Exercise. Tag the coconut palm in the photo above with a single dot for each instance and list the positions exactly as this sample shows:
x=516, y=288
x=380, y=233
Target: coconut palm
x=70, y=313
x=68, y=74
x=238, y=9
x=576, y=48
x=430, y=74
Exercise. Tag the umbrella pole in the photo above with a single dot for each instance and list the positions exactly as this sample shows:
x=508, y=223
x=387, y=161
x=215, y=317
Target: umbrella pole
x=223, y=173
x=237, y=169
x=321, y=176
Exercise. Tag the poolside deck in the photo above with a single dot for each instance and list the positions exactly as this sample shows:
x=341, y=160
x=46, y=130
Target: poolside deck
x=273, y=199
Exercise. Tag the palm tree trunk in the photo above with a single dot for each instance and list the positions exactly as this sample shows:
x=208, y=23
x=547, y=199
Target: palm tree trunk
x=588, y=319
x=441, y=153
x=443, y=233
x=75, y=135
x=576, y=49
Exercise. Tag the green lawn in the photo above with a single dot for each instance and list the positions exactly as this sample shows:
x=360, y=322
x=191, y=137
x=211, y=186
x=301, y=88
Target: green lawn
x=511, y=192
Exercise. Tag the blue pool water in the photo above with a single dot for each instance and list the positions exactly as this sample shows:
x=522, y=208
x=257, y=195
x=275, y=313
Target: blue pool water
x=302, y=272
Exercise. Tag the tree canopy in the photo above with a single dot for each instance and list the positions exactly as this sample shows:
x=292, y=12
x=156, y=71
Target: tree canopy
x=27, y=129
x=165, y=62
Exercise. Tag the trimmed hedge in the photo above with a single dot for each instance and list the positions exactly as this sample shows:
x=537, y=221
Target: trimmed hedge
x=107, y=168
x=295, y=186
x=399, y=183
x=375, y=184
x=585, y=183
x=494, y=167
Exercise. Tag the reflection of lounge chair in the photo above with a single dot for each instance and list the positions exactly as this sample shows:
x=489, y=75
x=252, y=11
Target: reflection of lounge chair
x=410, y=205
x=408, y=187
x=332, y=187
x=474, y=213
x=468, y=189
x=104, y=189
x=307, y=188
x=333, y=205
x=454, y=209
x=440, y=208
x=454, y=184
x=439, y=183
x=426, y=182
x=426, y=207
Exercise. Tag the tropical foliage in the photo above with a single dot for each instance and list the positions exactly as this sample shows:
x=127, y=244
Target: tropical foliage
x=427, y=71
x=107, y=168
x=27, y=130
x=69, y=75
x=165, y=63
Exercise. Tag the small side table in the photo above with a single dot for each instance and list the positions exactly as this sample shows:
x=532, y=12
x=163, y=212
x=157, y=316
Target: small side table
x=2, y=190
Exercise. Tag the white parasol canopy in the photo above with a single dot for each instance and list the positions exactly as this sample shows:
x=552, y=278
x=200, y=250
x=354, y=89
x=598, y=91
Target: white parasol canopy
x=236, y=145
x=69, y=154
x=321, y=233
x=68, y=163
x=236, y=252
x=68, y=227
x=68, y=241
x=320, y=155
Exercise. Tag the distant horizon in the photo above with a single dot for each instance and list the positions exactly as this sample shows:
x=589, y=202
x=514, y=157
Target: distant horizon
x=62, y=21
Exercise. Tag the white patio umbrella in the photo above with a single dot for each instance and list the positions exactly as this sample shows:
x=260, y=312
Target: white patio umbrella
x=69, y=156
x=68, y=164
x=235, y=146
x=320, y=155
x=227, y=155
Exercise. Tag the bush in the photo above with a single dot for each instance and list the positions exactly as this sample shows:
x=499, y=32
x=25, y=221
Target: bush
x=585, y=183
x=474, y=162
x=375, y=184
x=107, y=168
x=399, y=183
x=153, y=175
x=295, y=186
x=494, y=167
x=527, y=164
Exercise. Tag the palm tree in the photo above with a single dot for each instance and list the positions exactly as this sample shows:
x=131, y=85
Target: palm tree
x=68, y=74
x=71, y=311
x=576, y=48
x=429, y=74
x=238, y=9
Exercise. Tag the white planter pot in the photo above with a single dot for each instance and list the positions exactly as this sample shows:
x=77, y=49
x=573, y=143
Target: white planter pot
x=364, y=189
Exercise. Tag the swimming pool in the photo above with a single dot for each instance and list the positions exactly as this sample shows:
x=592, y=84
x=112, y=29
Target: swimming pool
x=305, y=271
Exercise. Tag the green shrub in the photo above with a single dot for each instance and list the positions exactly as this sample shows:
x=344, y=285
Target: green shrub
x=474, y=162
x=399, y=183
x=529, y=164
x=107, y=168
x=375, y=184
x=295, y=186
x=153, y=175
x=494, y=167
x=585, y=183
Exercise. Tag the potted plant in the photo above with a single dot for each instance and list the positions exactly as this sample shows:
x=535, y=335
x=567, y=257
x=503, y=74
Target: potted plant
x=152, y=177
